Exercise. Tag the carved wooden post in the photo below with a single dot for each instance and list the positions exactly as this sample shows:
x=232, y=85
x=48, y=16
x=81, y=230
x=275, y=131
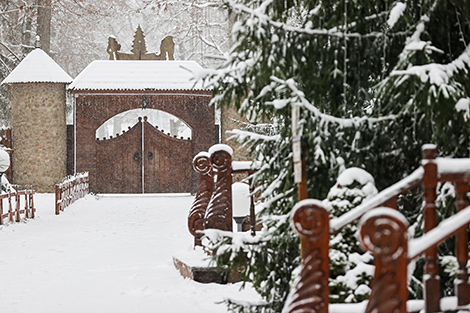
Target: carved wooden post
x=384, y=233
x=431, y=276
x=461, y=251
x=311, y=292
x=201, y=164
x=219, y=210
x=391, y=203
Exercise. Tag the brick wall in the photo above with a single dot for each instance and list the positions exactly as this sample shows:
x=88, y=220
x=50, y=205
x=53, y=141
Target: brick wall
x=95, y=108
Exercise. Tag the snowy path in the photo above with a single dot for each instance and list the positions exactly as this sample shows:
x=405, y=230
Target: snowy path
x=104, y=254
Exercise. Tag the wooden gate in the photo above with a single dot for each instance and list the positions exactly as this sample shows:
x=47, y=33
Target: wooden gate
x=144, y=162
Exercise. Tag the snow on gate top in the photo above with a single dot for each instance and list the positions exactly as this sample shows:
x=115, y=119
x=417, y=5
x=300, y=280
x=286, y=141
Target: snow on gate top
x=138, y=75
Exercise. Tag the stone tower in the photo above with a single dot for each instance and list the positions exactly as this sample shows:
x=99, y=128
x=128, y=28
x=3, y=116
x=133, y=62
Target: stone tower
x=37, y=89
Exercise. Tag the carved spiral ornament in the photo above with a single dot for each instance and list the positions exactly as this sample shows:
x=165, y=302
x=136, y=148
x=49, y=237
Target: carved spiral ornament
x=196, y=222
x=201, y=164
x=221, y=160
x=384, y=235
x=310, y=220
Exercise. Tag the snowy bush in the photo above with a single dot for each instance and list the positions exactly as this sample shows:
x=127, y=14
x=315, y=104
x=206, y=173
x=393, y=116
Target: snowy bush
x=350, y=267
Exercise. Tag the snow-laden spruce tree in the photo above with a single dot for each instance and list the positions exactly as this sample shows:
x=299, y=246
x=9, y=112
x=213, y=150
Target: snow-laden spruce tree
x=374, y=80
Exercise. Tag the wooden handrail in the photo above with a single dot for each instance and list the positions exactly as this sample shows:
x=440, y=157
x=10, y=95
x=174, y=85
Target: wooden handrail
x=444, y=230
x=384, y=232
x=379, y=199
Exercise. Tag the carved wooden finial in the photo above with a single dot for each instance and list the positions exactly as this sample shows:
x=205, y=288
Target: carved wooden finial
x=384, y=232
x=196, y=223
x=219, y=210
x=311, y=292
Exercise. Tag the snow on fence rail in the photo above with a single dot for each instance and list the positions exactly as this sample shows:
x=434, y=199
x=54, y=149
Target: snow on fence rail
x=384, y=232
x=69, y=190
x=14, y=210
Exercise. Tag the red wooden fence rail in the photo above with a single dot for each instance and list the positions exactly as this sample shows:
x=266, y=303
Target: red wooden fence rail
x=384, y=232
x=69, y=190
x=14, y=211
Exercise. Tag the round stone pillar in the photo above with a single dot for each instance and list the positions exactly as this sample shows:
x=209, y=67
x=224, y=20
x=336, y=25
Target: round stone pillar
x=38, y=134
x=37, y=89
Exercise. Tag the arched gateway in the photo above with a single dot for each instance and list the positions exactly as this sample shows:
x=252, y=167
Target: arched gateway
x=139, y=124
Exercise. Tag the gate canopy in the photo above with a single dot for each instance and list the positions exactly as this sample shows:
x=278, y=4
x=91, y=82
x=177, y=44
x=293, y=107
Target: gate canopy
x=138, y=75
x=154, y=154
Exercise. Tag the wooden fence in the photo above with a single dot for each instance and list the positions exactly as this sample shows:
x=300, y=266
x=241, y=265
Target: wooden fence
x=384, y=232
x=14, y=210
x=69, y=190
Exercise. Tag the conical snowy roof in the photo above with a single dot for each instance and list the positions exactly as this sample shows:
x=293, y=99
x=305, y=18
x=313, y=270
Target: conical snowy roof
x=37, y=67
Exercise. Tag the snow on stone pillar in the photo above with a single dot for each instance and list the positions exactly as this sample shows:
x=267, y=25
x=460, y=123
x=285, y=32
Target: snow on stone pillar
x=37, y=88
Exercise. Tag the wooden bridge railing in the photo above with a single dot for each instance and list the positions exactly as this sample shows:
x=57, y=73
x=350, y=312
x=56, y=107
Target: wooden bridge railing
x=69, y=190
x=384, y=232
x=14, y=210
x=212, y=206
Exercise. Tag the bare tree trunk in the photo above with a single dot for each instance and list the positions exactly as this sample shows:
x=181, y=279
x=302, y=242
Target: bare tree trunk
x=44, y=24
x=27, y=30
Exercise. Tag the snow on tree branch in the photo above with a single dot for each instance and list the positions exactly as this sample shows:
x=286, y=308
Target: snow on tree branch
x=264, y=19
x=395, y=13
x=438, y=74
x=301, y=100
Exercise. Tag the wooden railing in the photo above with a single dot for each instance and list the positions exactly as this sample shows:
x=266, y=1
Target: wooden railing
x=384, y=232
x=69, y=190
x=212, y=206
x=14, y=210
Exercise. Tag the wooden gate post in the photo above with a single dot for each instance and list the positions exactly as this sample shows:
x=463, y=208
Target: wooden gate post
x=384, y=232
x=196, y=222
x=431, y=276
x=311, y=289
x=219, y=210
x=461, y=250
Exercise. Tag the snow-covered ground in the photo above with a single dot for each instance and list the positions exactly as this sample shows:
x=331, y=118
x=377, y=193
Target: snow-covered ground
x=104, y=254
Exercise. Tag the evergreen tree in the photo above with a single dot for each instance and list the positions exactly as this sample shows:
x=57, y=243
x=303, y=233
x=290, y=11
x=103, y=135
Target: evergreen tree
x=374, y=81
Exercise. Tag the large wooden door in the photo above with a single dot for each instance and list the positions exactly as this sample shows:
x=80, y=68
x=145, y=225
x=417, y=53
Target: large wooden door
x=150, y=159
x=167, y=162
x=119, y=168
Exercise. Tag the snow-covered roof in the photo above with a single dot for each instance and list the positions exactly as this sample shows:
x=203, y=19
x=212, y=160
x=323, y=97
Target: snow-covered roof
x=37, y=67
x=138, y=75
